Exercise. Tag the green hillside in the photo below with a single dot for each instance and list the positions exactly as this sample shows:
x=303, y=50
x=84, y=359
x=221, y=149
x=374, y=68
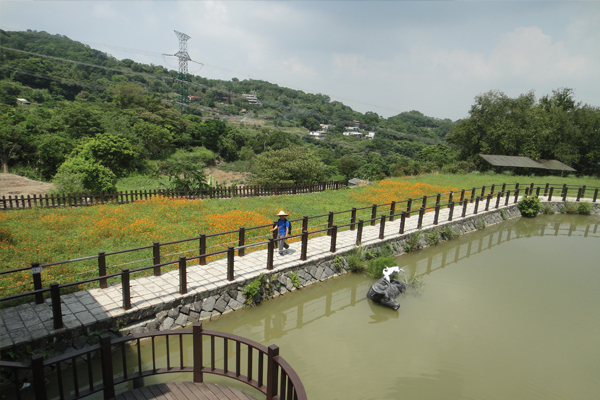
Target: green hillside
x=99, y=119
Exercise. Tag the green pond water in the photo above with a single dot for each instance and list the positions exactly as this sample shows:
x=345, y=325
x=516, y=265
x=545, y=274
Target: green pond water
x=509, y=312
x=497, y=317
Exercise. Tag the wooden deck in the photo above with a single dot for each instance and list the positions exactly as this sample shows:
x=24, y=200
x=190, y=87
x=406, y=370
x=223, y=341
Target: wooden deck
x=184, y=391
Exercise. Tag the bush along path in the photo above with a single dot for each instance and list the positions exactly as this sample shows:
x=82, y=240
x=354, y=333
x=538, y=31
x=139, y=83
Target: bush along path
x=209, y=291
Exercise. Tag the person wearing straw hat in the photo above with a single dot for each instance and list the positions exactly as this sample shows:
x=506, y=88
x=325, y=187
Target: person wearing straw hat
x=282, y=226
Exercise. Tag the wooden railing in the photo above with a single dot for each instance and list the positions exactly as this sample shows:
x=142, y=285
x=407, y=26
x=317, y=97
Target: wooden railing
x=483, y=198
x=89, y=199
x=261, y=367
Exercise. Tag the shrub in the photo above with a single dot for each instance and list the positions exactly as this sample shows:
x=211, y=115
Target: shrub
x=546, y=209
x=569, y=208
x=448, y=233
x=584, y=208
x=412, y=242
x=376, y=266
x=503, y=215
x=529, y=206
x=338, y=263
x=356, y=260
x=432, y=237
x=295, y=279
x=252, y=289
x=480, y=223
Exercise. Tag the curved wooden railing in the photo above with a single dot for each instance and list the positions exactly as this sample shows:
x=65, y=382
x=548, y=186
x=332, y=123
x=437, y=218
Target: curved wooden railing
x=261, y=368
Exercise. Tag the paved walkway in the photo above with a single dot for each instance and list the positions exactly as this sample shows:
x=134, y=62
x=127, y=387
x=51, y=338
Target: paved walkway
x=28, y=322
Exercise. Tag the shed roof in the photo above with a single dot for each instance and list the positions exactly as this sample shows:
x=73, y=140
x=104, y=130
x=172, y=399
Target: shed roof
x=525, y=162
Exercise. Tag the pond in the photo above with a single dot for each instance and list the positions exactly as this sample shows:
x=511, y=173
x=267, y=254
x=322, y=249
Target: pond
x=502, y=313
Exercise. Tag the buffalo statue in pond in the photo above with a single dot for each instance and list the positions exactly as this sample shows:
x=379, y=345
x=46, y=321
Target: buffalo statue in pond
x=385, y=290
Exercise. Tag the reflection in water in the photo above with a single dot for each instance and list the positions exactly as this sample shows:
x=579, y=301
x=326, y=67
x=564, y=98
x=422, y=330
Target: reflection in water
x=473, y=331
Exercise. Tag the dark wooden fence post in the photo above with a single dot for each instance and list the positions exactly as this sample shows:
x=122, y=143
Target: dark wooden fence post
x=402, y=222
x=272, y=371
x=230, y=262
x=437, y=214
x=537, y=191
x=438, y=198
x=462, y=196
x=498, y=196
x=392, y=210
x=126, y=288
x=270, y=249
x=197, y=351
x=408, y=207
x=595, y=196
x=464, y=210
x=202, y=260
x=516, y=195
x=482, y=191
x=564, y=192
x=156, y=257
x=36, y=274
x=583, y=188
x=424, y=204
x=493, y=188
x=353, y=218
x=507, y=197
x=550, y=194
x=102, y=269
x=421, y=214
x=382, y=227
x=451, y=212
x=487, y=202
x=304, y=223
x=107, y=366
x=242, y=242
x=546, y=189
x=450, y=198
x=182, y=275
x=359, y=232
x=56, y=306
x=476, y=206
x=578, y=194
x=333, y=246
x=39, y=379
x=329, y=223
x=373, y=214
x=304, y=248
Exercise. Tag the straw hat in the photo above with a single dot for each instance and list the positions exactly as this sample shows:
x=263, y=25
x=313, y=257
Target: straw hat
x=282, y=213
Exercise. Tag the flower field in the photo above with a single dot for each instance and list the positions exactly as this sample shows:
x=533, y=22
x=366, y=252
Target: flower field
x=51, y=235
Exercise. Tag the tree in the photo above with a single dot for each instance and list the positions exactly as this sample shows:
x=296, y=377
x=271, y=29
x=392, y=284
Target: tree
x=114, y=152
x=52, y=151
x=290, y=165
x=155, y=140
x=348, y=166
x=499, y=125
x=128, y=95
x=184, y=171
x=94, y=176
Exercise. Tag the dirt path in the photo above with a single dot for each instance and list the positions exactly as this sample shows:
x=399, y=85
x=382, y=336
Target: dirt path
x=15, y=185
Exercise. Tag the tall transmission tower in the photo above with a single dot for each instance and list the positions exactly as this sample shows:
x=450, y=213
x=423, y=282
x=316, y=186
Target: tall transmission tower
x=182, y=54
x=183, y=57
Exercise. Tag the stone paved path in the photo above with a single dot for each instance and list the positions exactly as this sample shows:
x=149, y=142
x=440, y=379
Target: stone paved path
x=28, y=322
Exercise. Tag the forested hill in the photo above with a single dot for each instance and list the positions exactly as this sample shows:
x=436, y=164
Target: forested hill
x=70, y=70
x=94, y=116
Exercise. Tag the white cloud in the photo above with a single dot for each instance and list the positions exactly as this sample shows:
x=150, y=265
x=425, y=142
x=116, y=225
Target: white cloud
x=104, y=10
x=293, y=67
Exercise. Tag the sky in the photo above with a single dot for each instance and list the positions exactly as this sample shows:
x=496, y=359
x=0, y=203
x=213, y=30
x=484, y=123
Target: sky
x=382, y=56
